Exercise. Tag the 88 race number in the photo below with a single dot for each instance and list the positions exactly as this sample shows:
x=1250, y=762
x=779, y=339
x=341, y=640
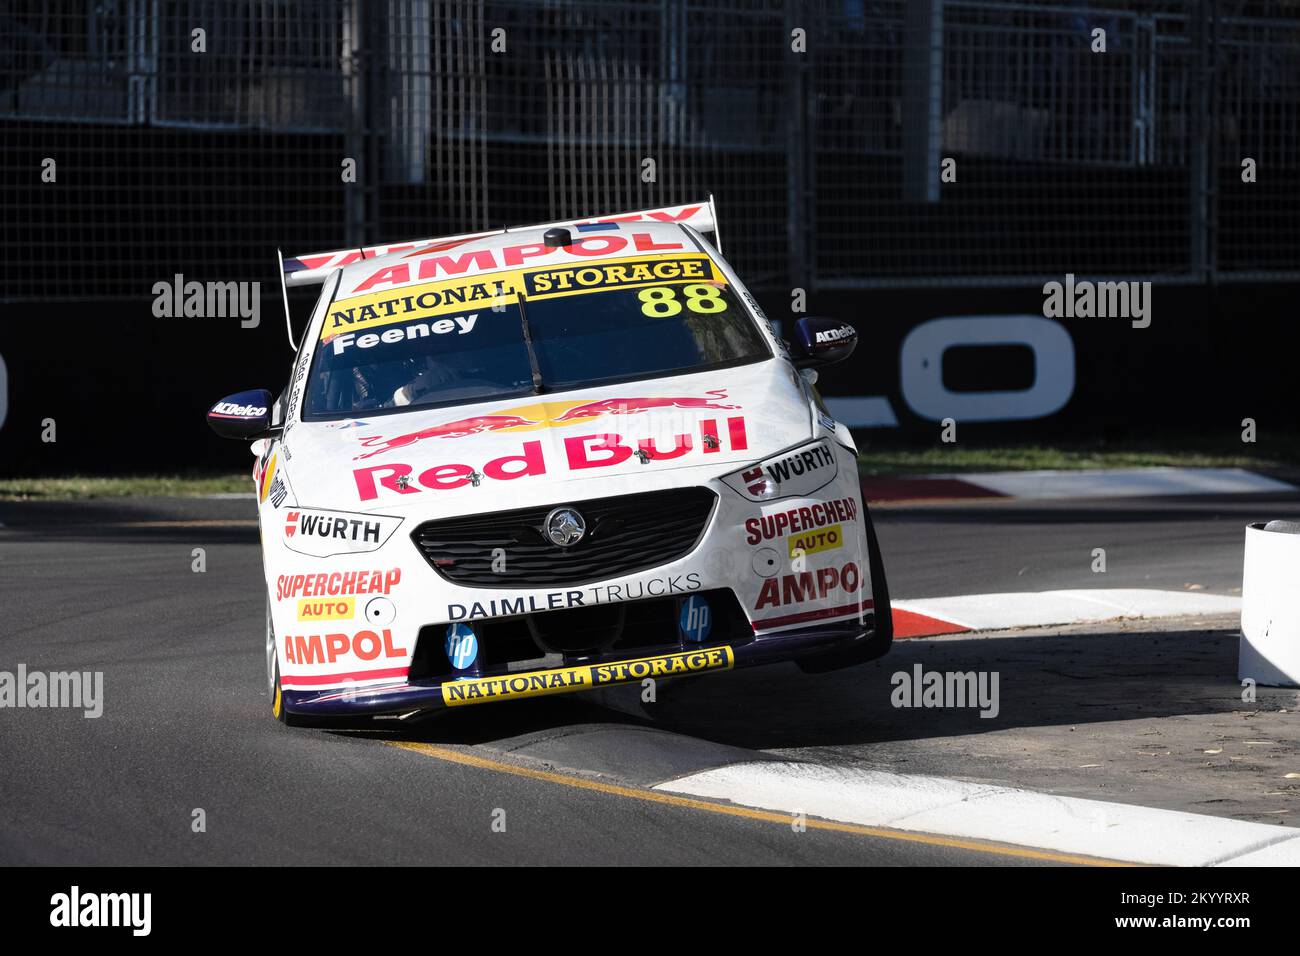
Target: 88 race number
x=661, y=301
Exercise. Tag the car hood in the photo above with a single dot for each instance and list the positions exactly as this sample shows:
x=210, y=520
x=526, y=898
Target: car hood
x=584, y=443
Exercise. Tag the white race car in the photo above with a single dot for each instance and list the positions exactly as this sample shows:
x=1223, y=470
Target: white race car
x=550, y=459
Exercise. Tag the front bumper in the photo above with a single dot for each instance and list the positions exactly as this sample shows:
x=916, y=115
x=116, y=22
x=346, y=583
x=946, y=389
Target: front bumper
x=599, y=671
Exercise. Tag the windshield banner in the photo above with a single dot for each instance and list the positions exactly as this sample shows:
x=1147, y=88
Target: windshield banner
x=499, y=289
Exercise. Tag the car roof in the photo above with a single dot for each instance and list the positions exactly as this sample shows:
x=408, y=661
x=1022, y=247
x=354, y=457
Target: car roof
x=632, y=239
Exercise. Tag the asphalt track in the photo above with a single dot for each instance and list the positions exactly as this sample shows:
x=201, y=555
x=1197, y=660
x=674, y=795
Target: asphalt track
x=187, y=725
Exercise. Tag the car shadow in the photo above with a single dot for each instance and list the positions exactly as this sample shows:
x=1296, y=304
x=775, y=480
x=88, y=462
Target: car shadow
x=1051, y=679
x=1057, y=677
x=1176, y=508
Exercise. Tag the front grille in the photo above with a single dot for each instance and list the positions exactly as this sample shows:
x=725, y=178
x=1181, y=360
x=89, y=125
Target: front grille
x=576, y=635
x=624, y=534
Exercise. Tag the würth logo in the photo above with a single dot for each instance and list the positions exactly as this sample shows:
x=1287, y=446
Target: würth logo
x=799, y=463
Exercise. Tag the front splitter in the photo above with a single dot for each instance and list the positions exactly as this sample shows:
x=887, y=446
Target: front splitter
x=657, y=663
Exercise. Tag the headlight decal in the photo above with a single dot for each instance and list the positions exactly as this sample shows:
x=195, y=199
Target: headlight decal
x=324, y=534
x=798, y=472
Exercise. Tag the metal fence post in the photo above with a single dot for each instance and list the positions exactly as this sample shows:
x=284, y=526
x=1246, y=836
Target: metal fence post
x=672, y=72
x=406, y=85
x=922, y=99
x=798, y=178
x=352, y=58
x=374, y=133
x=1200, y=166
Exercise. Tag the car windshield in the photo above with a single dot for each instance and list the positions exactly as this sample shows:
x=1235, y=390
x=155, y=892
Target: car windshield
x=548, y=331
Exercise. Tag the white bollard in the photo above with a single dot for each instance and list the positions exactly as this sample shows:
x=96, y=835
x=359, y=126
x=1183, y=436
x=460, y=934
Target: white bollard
x=1269, y=652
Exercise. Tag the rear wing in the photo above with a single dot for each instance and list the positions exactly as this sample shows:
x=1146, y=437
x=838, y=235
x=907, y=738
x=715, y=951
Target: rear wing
x=314, y=267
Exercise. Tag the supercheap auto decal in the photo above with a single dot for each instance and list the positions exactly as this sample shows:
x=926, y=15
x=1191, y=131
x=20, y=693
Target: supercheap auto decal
x=406, y=304
x=337, y=583
x=812, y=528
x=326, y=597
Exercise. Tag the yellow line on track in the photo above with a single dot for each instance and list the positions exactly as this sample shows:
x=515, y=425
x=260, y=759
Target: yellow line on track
x=748, y=813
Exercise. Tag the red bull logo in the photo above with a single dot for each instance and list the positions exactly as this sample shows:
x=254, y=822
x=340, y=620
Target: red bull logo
x=630, y=406
x=545, y=415
x=456, y=429
x=581, y=452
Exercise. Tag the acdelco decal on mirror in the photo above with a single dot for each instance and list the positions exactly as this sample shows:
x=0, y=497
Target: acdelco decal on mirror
x=799, y=472
x=231, y=410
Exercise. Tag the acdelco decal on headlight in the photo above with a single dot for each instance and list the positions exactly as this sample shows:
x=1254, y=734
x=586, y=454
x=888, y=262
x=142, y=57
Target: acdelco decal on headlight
x=800, y=472
x=324, y=534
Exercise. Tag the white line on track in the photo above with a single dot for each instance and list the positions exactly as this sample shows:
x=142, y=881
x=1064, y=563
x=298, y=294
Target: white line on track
x=978, y=612
x=983, y=812
x=1123, y=482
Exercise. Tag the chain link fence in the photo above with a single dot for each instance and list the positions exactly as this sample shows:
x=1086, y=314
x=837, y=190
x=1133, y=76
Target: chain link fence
x=854, y=143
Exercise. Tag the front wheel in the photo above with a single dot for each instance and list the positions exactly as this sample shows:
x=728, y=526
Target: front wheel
x=273, y=679
x=278, y=709
x=273, y=672
x=882, y=636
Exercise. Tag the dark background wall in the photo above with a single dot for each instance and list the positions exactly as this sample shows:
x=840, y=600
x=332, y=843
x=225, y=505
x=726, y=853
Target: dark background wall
x=128, y=391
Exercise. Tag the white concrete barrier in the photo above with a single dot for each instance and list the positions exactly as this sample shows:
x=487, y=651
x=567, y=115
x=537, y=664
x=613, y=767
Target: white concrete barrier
x=1269, y=652
x=977, y=811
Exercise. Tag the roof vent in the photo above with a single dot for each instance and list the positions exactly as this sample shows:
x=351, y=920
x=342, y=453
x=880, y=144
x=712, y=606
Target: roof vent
x=554, y=238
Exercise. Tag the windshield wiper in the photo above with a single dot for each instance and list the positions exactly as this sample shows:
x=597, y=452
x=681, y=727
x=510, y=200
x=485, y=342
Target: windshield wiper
x=539, y=385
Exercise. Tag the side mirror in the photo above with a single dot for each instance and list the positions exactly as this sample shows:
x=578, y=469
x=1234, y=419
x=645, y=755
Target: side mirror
x=819, y=341
x=245, y=415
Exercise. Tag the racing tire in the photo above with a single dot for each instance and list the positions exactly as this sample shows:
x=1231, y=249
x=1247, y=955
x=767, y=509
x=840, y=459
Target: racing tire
x=882, y=637
x=273, y=681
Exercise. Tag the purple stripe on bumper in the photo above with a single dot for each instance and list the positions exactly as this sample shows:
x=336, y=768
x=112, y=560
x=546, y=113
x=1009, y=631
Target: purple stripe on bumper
x=405, y=698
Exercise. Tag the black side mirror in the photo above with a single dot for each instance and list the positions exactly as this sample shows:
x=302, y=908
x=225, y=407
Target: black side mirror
x=820, y=341
x=245, y=415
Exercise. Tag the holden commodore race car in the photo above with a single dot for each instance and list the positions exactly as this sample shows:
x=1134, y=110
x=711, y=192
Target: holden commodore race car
x=550, y=459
